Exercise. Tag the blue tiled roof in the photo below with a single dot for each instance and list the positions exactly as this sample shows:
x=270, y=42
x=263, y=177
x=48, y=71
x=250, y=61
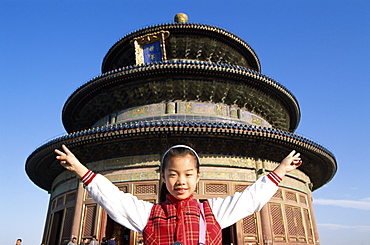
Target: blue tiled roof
x=211, y=124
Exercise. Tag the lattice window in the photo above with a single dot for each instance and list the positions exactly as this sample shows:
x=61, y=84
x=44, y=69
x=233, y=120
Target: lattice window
x=68, y=222
x=123, y=188
x=291, y=196
x=60, y=201
x=277, y=222
x=309, y=230
x=71, y=197
x=299, y=222
x=250, y=229
x=54, y=205
x=302, y=199
x=146, y=189
x=278, y=194
x=249, y=225
x=89, y=220
x=240, y=188
x=290, y=220
x=296, y=232
x=216, y=188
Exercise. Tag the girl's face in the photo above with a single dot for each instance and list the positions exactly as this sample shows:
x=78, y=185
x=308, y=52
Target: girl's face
x=181, y=176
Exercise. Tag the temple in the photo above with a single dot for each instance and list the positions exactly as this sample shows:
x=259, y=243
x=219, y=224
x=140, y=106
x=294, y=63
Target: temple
x=182, y=83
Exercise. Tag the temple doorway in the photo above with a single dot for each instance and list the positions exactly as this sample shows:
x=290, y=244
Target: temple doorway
x=229, y=235
x=56, y=227
x=121, y=233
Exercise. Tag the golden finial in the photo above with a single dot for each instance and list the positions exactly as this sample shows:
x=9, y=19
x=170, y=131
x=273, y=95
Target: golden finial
x=181, y=18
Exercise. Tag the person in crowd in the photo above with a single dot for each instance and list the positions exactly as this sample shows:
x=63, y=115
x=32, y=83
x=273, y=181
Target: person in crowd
x=94, y=241
x=112, y=240
x=104, y=241
x=73, y=241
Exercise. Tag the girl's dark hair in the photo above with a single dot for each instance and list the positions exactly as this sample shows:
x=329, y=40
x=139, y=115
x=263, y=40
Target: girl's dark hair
x=174, y=151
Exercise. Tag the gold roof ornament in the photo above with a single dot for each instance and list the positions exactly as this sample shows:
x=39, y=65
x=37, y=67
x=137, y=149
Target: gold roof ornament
x=181, y=18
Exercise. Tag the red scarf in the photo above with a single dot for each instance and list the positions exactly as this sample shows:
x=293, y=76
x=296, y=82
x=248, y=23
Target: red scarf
x=180, y=225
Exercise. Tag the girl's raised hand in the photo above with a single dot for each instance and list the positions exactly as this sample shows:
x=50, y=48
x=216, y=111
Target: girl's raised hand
x=289, y=163
x=70, y=162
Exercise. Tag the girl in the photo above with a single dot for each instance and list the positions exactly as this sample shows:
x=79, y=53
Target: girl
x=178, y=218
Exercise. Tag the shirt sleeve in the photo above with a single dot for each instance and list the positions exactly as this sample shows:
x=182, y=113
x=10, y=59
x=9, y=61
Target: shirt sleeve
x=229, y=210
x=124, y=208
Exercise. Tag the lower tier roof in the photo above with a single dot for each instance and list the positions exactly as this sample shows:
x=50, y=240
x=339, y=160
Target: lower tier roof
x=148, y=137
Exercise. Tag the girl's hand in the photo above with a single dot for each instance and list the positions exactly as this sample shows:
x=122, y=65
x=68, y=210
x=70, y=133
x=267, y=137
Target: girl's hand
x=291, y=162
x=70, y=162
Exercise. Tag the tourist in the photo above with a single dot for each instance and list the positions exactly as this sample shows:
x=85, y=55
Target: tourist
x=112, y=240
x=85, y=241
x=73, y=241
x=104, y=241
x=94, y=241
x=176, y=220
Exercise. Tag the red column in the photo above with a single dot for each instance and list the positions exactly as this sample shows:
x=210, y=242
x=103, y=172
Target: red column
x=313, y=219
x=78, y=209
x=266, y=225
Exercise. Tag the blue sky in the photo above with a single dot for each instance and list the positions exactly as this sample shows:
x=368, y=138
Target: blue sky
x=319, y=50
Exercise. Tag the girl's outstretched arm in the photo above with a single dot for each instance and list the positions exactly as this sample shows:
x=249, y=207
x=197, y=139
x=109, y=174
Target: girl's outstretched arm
x=124, y=208
x=70, y=162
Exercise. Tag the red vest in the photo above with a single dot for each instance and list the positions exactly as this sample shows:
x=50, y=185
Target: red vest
x=161, y=227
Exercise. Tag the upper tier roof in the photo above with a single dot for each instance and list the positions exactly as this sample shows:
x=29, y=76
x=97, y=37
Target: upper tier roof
x=187, y=41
